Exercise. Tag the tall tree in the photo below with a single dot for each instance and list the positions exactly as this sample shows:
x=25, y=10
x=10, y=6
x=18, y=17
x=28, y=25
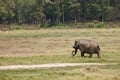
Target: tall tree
x=58, y=11
x=75, y=9
x=38, y=14
x=83, y=9
x=6, y=13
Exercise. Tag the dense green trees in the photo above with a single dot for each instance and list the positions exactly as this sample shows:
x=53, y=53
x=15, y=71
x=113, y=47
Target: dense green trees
x=57, y=11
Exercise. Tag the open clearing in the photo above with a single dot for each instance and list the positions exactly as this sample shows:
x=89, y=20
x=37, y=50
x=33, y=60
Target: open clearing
x=45, y=46
x=27, y=47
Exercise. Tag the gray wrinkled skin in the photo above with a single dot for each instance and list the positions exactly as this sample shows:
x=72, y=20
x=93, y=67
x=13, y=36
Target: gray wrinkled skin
x=86, y=46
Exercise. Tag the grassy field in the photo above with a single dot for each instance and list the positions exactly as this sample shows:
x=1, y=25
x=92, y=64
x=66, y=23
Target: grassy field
x=55, y=46
x=68, y=73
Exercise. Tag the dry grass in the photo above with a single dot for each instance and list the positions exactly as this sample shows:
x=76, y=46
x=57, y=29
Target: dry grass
x=55, y=45
x=56, y=41
x=69, y=73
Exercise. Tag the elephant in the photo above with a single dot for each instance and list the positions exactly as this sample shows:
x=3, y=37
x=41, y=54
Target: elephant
x=86, y=46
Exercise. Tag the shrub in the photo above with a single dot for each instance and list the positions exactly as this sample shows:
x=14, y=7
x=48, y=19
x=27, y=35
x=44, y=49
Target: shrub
x=96, y=25
x=91, y=25
x=15, y=27
x=100, y=25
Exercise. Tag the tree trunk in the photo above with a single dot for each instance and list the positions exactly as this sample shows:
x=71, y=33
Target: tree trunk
x=63, y=17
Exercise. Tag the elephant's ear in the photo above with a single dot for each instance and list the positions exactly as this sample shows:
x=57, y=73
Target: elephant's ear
x=76, y=44
x=75, y=41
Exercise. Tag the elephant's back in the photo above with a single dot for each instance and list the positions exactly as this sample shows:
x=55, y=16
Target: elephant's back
x=88, y=43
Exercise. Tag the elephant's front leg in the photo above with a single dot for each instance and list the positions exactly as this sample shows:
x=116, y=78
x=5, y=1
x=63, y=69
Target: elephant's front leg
x=82, y=54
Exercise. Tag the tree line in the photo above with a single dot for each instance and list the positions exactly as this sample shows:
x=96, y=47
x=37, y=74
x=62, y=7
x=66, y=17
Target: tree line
x=57, y=11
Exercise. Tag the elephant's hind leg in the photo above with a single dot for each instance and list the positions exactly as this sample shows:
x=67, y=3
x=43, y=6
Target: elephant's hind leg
x=90, y=56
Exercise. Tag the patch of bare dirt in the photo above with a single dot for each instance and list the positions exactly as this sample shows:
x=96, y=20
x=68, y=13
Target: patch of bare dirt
x=53, y=65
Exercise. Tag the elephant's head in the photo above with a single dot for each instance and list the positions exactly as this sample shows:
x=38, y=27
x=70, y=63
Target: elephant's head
x=76, y=44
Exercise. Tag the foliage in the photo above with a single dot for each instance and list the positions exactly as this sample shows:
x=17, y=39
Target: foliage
x=15, y=27
x=52, y=12
x=96, y=25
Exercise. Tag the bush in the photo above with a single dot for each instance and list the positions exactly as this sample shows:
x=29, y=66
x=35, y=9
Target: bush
x=100, y=25
x=15, y=27
x=96, y=25
x=91, y=25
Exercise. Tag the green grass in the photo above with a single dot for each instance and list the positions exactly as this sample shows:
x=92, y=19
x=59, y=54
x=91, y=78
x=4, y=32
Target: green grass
x=68, y=73
x=55, y=46
x=48, y=59
x=41, y=59
x=60, y=33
